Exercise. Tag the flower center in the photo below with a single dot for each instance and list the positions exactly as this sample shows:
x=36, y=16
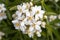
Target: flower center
x=20, y=10
x=33, y=25
x=30, y=18
x=17, y=24
x=27, y=6
x=1, y=14
x=37, y=12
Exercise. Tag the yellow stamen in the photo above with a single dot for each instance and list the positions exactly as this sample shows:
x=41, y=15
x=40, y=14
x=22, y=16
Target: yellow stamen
x=33, y=25
x=17, y=24
x=30, y=18
x=20, y=10
x=37, y=12
x=2, y=14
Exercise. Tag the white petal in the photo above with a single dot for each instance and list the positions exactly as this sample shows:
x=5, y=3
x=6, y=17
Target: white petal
x=38, y=22
x=18, y=13
x=27, y=13
x=2, y=5
x=39, y=7
x=42, y=11
x=30, y=35
x=59, y=16
x=31, y=29
x=17, y=28
x=0, y=10
x=4, y=9
x=38, y=34
x=1, y=33
x=43, y=24
x=24, y=6
x=52, y=17
x=36, y=17
x=1, y=18
x=0, y=37
x=41, y=16
x=37, y=27
x=5, y=17
x=19, y=7
x=23, y=28
x=25, y=20
x=14, y=21
x=22, y=23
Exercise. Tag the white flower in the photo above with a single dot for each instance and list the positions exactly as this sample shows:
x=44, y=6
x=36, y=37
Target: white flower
x=23, y=29
x=43, y=24
x=56, y=0
x=38, y=34
x=27, y=12
x=45, y=16
x=59, y=16
x=19, y=15
x=26, y=5
x=27, y=19
x=2, y=12
x=31, y=0
x=31, y=29
x=52, y=17
x=31, y=4
x=2, y=8
x=14, y=16
x=16, y=24
x=37, y=12
x=57, y=24
x=2, y=16
x=30, y=34
x=1, y=34
x=20, y=9
x=35, y=27
x=19, y=25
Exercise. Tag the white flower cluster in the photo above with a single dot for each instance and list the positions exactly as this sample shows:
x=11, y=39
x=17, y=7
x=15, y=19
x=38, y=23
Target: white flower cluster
x=2, y=12
x=59, y=16
x=52, y=17
x=28, y=19
x=56, y=0
x=1, y=34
